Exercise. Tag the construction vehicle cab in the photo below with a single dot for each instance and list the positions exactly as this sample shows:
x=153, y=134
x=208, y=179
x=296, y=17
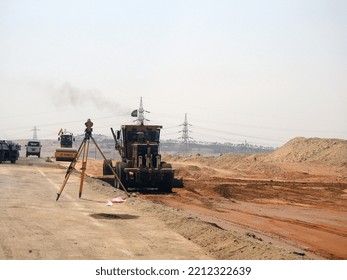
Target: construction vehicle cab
x=65, y=152
x=141, y=167
x=9, y=151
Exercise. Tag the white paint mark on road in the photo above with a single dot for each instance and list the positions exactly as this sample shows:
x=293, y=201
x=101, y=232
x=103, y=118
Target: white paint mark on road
x=51, y=182
x=95, y=222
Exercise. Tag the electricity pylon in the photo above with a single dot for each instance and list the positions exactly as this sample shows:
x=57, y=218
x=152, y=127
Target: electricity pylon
x=185, y=147
x=35, y=129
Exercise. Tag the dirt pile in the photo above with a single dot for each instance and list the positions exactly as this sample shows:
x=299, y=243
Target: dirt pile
x=318, y=150
x=238, y=163
x=325, y=152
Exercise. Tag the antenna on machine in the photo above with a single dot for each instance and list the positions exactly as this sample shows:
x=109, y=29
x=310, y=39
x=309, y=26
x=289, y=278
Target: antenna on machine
x=35, y=129
x=140, y=114
x=185, y=144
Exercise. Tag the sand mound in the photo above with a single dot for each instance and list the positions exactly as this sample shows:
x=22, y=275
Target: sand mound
x=330, y=153
x=319, y=150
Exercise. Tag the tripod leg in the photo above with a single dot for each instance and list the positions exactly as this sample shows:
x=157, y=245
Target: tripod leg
x=115, y=175
x=71, y=168
x=84, y=166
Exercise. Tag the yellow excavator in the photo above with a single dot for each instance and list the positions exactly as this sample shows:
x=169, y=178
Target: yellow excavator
x=66, y=152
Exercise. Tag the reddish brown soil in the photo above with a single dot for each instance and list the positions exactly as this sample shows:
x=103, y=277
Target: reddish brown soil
x=298, y=202
x=311, y=216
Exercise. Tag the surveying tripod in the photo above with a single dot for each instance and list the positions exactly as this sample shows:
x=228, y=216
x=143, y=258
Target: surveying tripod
x=84, y=148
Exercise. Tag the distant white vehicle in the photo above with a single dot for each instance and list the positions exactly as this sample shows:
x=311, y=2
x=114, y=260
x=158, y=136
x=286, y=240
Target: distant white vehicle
x=33, y=148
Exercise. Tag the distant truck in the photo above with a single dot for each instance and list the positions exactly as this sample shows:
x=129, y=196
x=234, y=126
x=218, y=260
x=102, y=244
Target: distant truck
x=33, y=148
x=9, y=151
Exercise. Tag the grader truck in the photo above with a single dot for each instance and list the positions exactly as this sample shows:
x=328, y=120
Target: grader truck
x=141, y=167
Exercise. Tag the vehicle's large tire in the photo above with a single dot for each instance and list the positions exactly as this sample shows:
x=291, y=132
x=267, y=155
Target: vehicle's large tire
x=166, y=183
x=121, y=174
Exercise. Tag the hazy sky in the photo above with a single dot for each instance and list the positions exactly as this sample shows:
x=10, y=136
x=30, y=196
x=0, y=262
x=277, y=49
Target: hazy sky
x=261, y=71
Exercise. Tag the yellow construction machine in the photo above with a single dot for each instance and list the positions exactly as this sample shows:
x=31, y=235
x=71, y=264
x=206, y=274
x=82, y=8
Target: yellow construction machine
x=65, y=152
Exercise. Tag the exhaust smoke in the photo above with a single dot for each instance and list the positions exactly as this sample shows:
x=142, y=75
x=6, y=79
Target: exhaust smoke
x=67, y=94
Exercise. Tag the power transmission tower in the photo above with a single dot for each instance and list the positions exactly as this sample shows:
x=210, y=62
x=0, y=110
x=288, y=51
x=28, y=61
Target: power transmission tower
x=185, y=144
x=35, y=129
